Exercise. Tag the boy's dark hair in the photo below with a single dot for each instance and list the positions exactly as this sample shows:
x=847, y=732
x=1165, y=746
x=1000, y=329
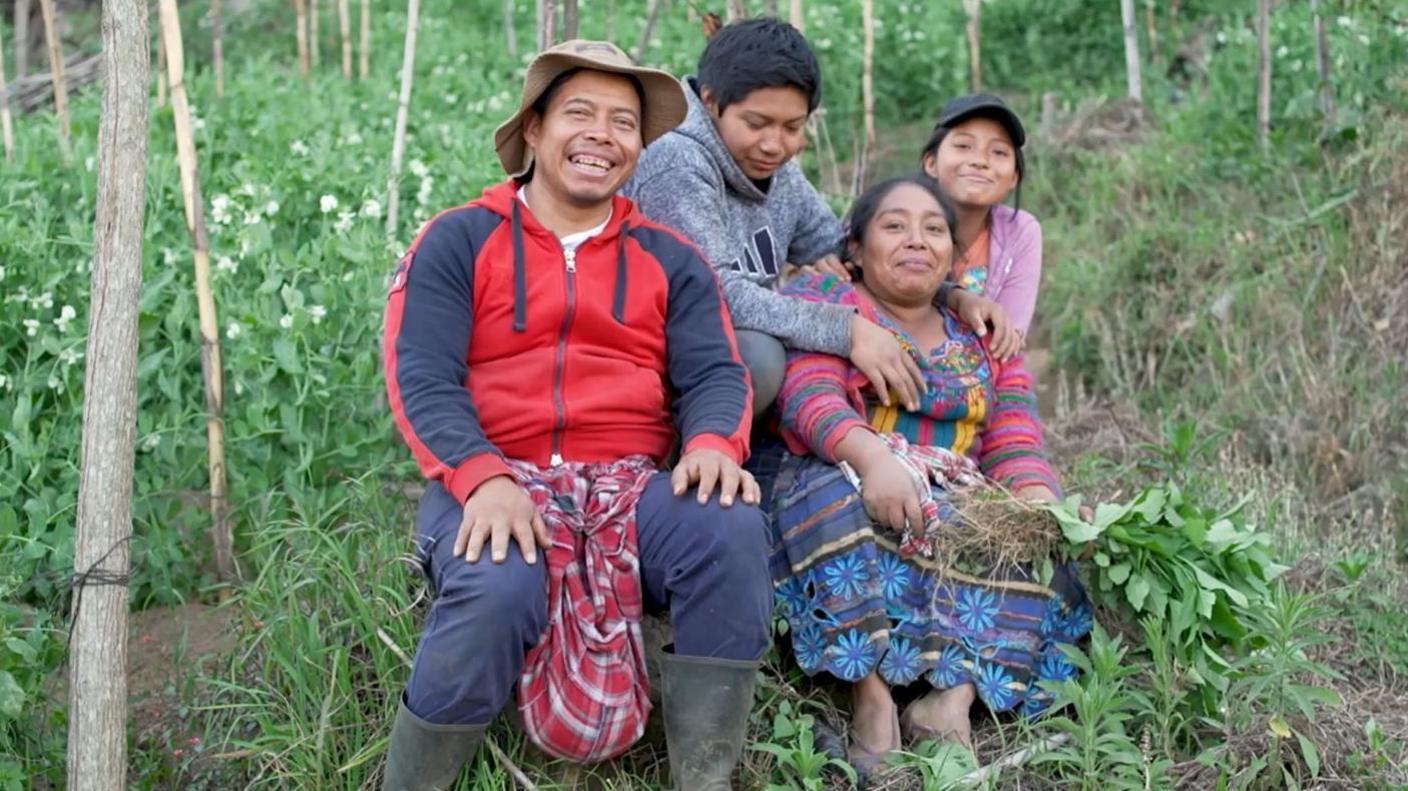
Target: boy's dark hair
x=759, y=53
x=863, y=211
x=936, y=139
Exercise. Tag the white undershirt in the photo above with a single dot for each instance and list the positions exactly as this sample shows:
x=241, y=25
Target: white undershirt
x=571, y=241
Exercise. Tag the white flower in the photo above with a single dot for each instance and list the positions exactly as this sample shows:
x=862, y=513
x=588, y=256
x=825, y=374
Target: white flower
x=220, y=209
x=89, y=163
x=246, y=189
x=271, y=208
x=1363, y=39
x=450, y=98
x=233, y=330
x=150, y=442
x=1344, y=21
x=370, y=209
x=31, y=327
x=299, y=147
x=169, y=256
x=4, y=382
x=352, y=139
x=1282, y=51
x=417, y=168
x=286, y=321
x=317, y=312
x=328, y=204
x=54, y=383
x=70, y=356
x=226, y=264
x=197, y=123
x=2, y=273
x=66, y=315
x=496, y=102
x=45, y=301
x=347, y=277
x=1296, y=65
x=344, y=222
x=252, y=218
x=426, y=185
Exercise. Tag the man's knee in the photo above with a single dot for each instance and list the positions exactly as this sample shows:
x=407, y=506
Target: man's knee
x=766, y=360
x=735, y=543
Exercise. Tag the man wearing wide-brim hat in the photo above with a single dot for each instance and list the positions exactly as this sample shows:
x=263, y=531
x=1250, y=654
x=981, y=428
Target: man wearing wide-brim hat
x=547, y=347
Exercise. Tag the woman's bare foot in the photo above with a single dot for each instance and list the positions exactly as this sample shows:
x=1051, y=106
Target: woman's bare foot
x=942, y=714
x=874, y=733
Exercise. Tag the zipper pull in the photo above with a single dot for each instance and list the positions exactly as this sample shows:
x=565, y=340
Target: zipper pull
x=571, y=256
x=556, y=460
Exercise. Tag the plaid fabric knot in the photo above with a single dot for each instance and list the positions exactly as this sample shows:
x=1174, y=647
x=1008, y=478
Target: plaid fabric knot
x=925, y=464
x=583, y=693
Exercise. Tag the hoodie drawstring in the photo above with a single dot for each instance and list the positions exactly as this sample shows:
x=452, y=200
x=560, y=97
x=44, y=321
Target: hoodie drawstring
x=618, y=302
x=520, y=276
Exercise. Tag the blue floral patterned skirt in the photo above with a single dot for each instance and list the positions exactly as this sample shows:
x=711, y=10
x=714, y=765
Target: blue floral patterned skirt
x=854, y=605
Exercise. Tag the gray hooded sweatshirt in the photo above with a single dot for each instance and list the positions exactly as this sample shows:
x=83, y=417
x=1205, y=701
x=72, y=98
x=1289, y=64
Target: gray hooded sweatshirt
x=688, y=181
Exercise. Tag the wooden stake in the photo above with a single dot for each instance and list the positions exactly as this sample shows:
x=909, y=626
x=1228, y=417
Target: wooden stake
x=569, y=19
x=867, y=92
x=300, y=11
x=22, y=14
x=734, y=10
x=5, y=129
x=217, y=47
x=313, y=33
x=1131, y=53
x=794, y=13
x=403, y=105
x=547, y=23
x=160, y=71
x=1322, y=64
x=1151, y=31
x=364, y=62
x=770, y=8
x=56, y=68
x=1263, y=73
x=511, y=38
x=222, y=543
x=344, y=25
x=97, y=691
x=652, y=11
x=975, y=51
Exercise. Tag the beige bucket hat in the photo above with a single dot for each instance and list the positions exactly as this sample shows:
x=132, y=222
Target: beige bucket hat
x=664, y=106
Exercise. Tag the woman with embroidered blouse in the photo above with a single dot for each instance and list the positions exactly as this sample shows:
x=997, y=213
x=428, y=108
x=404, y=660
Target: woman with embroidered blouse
x=865, y=488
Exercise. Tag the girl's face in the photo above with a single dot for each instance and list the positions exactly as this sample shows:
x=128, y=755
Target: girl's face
x=976, y=164
x=907, y=249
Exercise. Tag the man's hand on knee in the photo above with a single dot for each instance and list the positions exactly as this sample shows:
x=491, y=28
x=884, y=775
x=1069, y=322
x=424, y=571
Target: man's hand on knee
x=706, y=468
x=497, y=510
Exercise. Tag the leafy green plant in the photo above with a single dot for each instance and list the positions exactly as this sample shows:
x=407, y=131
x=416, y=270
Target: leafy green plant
x=798, y=763
x=942, y=765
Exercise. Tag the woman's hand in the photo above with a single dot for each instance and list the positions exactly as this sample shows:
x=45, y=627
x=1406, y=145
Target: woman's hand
x=978, y=312
x=876, y=353
x=888, y=491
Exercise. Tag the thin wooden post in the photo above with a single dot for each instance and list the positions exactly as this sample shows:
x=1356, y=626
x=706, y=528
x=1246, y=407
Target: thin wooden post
x=569, y=19
x=97, y=693
x=1322, y=64
x=300, y=11
x=160, y=71
x=403, y=105
x=652, y=12
x=344, y=25
x=974, y=30
x=770, y=8
x=365, y=61
x=547, y=23
x=313, y=33
x=1131, y=53
x=734, y=10
x=217, y=44
x=22, y=14
x=56, y=68
x=794, y=13
x=867, y=91
x=222, y=542
x=511, y=38
x=1152, y=31
x=1263, y=73
x=5, y=129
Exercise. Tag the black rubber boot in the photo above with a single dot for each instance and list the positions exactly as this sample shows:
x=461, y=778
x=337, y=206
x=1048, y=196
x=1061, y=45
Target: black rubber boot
x=424, y=756
x=706, y=704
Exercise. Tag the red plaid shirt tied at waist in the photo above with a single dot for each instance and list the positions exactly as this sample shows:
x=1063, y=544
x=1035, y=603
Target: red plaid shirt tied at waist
x=583, y=694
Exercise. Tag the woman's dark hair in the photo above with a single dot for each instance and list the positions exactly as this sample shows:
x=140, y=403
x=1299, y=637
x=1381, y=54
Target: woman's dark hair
x=858, y=219
x=758, y=53
x=931, y=148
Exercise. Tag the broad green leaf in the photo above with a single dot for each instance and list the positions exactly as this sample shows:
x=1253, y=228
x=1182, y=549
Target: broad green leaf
x=1118, y=573
x=1136, y=591
x=1206, y=599
x=1150, y=504
x=1311, y=755
x=287, y=356
x=1107, y=514
x=11, y=696
x=1212, y=583
x=1222, y=533
x=1196, y=530
x=20, y=648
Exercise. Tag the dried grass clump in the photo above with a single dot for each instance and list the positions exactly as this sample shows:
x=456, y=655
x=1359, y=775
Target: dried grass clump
x=999, y=531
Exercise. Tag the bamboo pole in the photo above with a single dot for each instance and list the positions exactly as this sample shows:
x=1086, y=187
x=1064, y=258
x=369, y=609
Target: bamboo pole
x=652, y=12
x=22, y=14
x=547, y=23
x=313, y=33
x=734, y=10
x=222, y=542
x=1152, y=31
x=1131, y=53
x=97, y=729
x=1322, y=64
x=975, y=53
x=160, y=71
x=794, y=13
x=867, y=68
x=403, y=105
x=511, y=39
x=569, y=19
x=365, y=60
x=56, y=68
x=300, y=11
x=1263, y=73
x=5, y=129
x=217, y=43
x=344, y=25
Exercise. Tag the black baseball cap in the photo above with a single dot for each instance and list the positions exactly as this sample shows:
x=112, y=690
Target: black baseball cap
x=983, y=105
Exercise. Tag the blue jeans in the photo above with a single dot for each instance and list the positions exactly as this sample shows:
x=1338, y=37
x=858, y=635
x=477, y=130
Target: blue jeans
x=707, y=564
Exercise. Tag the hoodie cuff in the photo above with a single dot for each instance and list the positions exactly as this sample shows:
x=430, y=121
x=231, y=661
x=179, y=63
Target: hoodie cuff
x=472, y=472
x=714, y=442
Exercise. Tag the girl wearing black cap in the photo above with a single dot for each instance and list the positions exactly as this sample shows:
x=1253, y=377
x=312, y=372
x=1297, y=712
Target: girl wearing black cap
x=975, y=153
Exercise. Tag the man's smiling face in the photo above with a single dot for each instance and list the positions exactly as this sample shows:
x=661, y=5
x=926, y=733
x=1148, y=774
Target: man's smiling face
x=588, y=139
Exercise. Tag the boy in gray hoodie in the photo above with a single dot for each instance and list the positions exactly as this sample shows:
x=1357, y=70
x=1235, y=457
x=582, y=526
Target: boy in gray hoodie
x=727, y=179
